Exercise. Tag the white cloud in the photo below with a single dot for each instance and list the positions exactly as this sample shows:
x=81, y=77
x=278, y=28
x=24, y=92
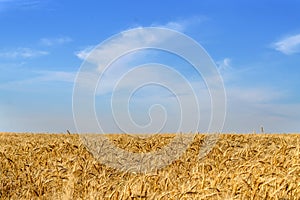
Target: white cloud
x=56, y=76
x=183, y=24
x=22, y=53
x=107, y=52
x=224, y=65
x=83, y=54
x=55, y=41
x=288, y=45
x=39, y=77
x=124, y=42
x=133, y=40
x=174, y=25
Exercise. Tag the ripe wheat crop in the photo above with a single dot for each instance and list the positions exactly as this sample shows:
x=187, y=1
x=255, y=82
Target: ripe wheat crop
x=240, y=166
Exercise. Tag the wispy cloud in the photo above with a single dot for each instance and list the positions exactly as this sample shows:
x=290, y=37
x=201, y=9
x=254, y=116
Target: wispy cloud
x=288, y=45
x=173, y=25
x=22, y=52
x=19, y=4
x=183, y=24
x=134, y=39
x=61, y=76
x=83, y=54
x=125, y=42
x=55, y=41
x=224, y=65
x=39, y=77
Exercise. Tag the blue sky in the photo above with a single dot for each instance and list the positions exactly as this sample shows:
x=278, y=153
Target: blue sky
x=255, y=44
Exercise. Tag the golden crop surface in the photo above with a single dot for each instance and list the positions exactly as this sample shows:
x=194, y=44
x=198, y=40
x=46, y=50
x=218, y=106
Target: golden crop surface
x=240, y=166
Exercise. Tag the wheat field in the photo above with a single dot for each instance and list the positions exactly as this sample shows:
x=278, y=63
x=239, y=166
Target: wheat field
x=240, y=166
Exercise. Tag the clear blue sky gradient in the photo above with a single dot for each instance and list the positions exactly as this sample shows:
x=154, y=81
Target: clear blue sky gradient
x=255, y=44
